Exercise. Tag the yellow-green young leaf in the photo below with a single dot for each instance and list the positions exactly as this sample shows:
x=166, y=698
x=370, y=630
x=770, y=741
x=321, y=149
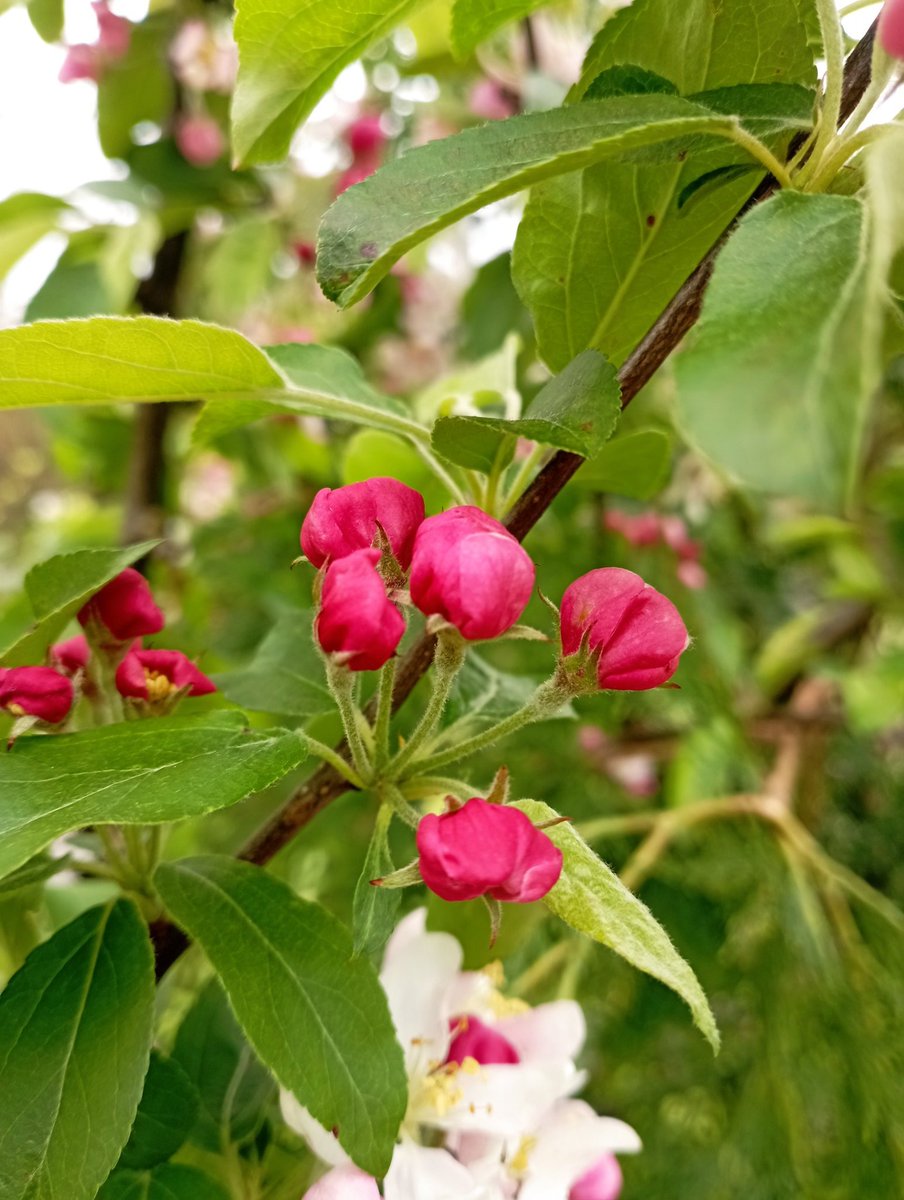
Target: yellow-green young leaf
x=592, y=899
x=315, y=1014
x=75, y=1034
x=775, y=381
x=290, y=51
x=59, y=587
x=474, y=20
x=24, y=219
x=372, y=225
x=104, y=360
x=137, y=773
x=599, y=254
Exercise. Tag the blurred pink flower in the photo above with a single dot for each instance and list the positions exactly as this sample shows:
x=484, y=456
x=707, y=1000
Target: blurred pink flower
x=200, y=139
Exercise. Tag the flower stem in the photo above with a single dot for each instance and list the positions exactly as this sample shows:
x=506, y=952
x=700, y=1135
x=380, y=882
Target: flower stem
x=447, y=661
x=840, y=151
x=547, y=699
x=525, y=471
x=336, y=761
x=421, y=787
x=342, y=685
x=833, y=46
x=384, y=714
x=762, y=153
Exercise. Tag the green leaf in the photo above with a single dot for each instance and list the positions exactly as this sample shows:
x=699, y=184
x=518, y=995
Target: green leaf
x=47, y=18
x=238, y=269
x=24, y=220
x=775, y=380
x=75, y=1033
x=375, y=909
x=474, y=20
x=286, y=674
x=138, y=773
x=171, y=1181
x=36, y=870
x=167, y=1111
x=138, y=87
x=332, y=1043
x=235, y=1089
x=483, y=695
x=599, y=254
x=290, y=52
x=59, y=587
x=635, y=465
x=326, y=382
x=577, y=411
x=592, y=899
x=372, y=225
x=104, y=360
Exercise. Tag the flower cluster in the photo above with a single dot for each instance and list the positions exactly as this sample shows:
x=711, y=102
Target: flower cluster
x=91, y=60
x=365, y=138
x=652, y=529
x=490, y=1084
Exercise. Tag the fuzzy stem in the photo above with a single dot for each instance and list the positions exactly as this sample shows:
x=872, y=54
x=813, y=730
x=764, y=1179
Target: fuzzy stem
x=384, y=714
x=447, y=661
x=763, y=154
x=833, y=45
x=342, y=685
x=336, y=761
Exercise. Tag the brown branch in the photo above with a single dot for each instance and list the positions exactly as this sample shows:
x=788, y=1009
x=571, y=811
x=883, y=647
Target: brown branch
x=679, y=316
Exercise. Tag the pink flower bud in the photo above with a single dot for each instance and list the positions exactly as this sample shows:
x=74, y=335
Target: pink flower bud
x=891, y=28
x=637, y=632
x=81, y=62
x=200, y=140
x=71, y=656
x=343, y=520
x=642, y=529
x=357, y=619
x=471, y=1038
x=691, y=574
x=305, y=252
x=115, y=32
x=36, y=692
x=485, y=848
x=468, y=568
x=344, y=1183
x=365, y=135
x=157, y=675
x=601, y=1182
x=124, y=607
x=355, y=174
x=492, y=101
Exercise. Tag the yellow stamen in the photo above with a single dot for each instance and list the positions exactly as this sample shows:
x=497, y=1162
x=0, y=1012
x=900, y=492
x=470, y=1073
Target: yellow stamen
x=159, y=686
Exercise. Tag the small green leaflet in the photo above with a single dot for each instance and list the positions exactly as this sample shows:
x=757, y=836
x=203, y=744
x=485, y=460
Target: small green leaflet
x=592, y=899
x=315, y=1014
x=139, y=772
x=375, y=909
x=59, y=587
x=286, y=674
x=75, y=1033
x=24, y=219
x=577, y=410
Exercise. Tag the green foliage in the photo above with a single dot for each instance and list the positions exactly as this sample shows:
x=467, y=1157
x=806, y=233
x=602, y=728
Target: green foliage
x=375, y=910
x=166, y=1113
x=286, y=674
x=171, y=1181
x=333, y=1046
x=592, y=899
x=59, y=587
x=635, y=465
x=289, y=56
x=371, y=226
x=775, y=383
x=135, y=88
x=24, y=220
x=75, y=1032
x=152, y=771
x=473, y=21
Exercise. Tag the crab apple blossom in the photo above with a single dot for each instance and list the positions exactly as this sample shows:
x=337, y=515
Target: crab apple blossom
x=70, y=656
x=365, y=135
x=471, y=1038
x=357, y=620
x=158, y=675
x=492, y=101
x=891, y=28
x=124, y=607
x=347, y=1182
x=637, y=634
x=486, y=849
x=350, y=518
x=602, y=1182
x=38, y=692
x=467, y=568
x=199, y=138
x=88, y=61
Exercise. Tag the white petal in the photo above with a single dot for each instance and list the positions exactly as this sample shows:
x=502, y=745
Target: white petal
x=344, y=1183
x=418, y=975
x=547, y=1033
x=410, y=927
x=323, y=1143
x=419, y=1173
x=506, y=1100
x=568, y=1144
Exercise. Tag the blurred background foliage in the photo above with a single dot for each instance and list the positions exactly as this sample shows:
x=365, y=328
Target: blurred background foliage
x=797, y=664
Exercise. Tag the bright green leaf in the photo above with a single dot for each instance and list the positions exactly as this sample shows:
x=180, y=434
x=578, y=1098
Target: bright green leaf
x=290, y=52
x=315, y=1014
x=47, y=18
x=24, y=219
x=375, y=909
x=104, y=360
x=474, y=20
x=372, y=225
x=774, y=383
x=137, y=87
x=139, y=773
x=171, y=1181
x=286, y=674
x=235, y=1089
x=592, y=899
x=166, y=1113
x=636, y=465
x=75, y=1033
x=59, y=587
